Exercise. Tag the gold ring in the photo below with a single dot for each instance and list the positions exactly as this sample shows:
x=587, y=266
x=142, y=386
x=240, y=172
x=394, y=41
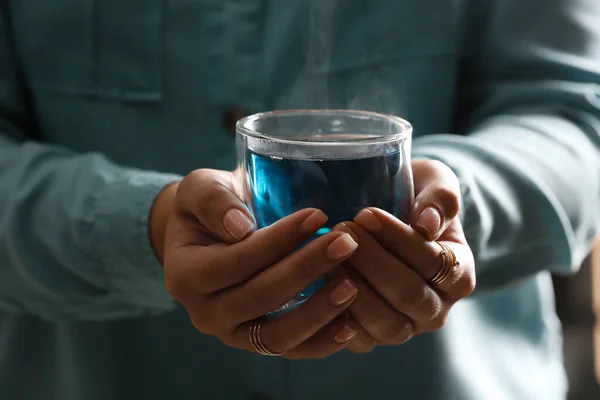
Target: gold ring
x=449, y=261
x=256, y=339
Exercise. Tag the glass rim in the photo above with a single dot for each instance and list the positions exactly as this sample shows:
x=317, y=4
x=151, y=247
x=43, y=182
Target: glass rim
x=405, y=128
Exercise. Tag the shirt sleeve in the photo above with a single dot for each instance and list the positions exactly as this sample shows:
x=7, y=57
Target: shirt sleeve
x=529, y=156
x=73, y=227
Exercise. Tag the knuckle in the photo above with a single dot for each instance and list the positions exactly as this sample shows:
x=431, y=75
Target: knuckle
x=443, y=169
x=395, y=332
x=238, y=310
x=362, y=345
x=466, y=285
x=203, y=322
x=413, y=297
x=202, y=186
x=275, y=342
x=230, y=338
x=181, y=281
x=437, y=165
x=199, y=308
x=425, y=302
x=228, y=308
x=210, y=197
x=432, y=305
x=438, y=321
x=449, y=198
x=191, y=180
x=199, y=191
x=175, y=285
x=209, y=316
x=200, y=324
x=198, y=177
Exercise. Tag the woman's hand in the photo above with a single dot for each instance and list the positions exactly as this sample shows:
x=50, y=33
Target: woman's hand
x=226, y=274
x=395, y=262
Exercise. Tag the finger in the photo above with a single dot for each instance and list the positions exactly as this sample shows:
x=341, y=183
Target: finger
x=214, y=268
x=284, y=332
x=401, y=287
x=437, y=199
x=381, y=321
x=423, y=256
x=461, y=280
x=334, y=337
x=208, y=196
x=362, y=343
x=272, y=288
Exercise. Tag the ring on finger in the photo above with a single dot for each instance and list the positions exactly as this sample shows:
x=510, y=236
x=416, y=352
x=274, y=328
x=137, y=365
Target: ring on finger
x=255, y=335
x=449, y=261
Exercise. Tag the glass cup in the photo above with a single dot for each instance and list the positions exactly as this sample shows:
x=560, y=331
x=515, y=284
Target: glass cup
x=339, y=161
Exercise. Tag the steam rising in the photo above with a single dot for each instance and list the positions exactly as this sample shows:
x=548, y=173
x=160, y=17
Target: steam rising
x=363, y=85
x=310, y=90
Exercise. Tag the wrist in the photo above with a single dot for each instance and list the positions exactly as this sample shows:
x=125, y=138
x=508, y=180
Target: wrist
x=158, y=220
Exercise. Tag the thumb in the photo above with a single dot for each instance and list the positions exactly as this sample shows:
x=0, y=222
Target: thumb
x=209, y=197
x=437, y=200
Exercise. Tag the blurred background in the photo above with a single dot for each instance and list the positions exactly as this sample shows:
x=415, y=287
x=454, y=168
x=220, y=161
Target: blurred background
x=576, y=299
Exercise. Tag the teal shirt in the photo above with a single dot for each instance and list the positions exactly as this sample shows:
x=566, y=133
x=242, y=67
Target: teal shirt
x=103, y=102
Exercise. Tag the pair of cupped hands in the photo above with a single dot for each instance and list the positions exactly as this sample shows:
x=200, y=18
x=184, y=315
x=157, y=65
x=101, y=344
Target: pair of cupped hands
x=226, y=273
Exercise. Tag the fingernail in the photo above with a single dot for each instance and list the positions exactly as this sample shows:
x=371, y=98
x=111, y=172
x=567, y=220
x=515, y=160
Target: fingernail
x=341, y=247
x=237, y=223
x=429, y=221
x=314, y=221
x=345, y=334
x=343, y=227
x=368, y=220
x=342, y=293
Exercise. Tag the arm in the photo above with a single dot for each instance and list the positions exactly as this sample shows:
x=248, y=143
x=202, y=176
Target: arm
x=73, y=227
x=530, y=161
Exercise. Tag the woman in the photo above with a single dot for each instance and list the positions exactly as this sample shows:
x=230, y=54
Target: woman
x=106, y=105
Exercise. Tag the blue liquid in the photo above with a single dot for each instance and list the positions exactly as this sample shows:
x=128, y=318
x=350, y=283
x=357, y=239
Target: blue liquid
x=340, y=188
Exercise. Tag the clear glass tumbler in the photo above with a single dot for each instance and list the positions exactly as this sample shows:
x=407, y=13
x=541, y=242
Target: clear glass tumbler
x=339, y=161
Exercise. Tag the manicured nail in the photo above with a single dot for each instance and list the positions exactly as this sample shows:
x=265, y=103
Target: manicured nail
x=368, y=220
x=429, y=221
x=345, y=334
x=343, y=227
x=342, y=293
x=314, y=221
x=237, y=223
x=341, y=247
